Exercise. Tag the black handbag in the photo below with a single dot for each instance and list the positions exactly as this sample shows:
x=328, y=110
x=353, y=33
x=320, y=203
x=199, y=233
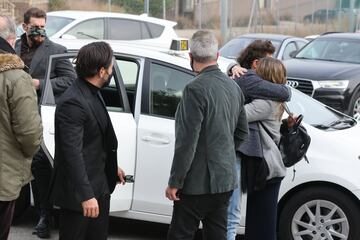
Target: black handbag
x=294, y=141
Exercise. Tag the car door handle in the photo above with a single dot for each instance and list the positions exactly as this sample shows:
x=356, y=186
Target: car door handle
x=158, y=140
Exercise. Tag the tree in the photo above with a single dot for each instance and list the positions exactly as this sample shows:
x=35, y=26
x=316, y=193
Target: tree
x=57, y=4
x=137, y=6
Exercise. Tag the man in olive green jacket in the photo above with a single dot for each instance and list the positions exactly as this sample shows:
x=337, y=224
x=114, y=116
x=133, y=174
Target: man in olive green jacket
x=210, y=123
x=20, y=125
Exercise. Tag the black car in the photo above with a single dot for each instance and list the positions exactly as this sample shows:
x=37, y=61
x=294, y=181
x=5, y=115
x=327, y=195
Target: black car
x=321, y=16
x=328, y=69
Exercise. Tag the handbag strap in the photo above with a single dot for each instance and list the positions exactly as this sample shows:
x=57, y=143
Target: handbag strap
x=286, y=108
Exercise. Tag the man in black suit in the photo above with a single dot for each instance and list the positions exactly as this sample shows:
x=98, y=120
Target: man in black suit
x=85, y=165
x=34, y=48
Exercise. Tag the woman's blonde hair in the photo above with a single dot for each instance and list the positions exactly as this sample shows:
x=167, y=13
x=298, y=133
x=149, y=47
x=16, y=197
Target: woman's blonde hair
x=272, y=70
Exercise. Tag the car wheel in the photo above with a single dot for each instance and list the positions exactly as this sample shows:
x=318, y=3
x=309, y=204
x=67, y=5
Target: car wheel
x=354, y=108
x=319, y=213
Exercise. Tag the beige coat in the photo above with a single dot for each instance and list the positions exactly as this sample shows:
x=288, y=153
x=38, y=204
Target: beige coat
x=20, y=126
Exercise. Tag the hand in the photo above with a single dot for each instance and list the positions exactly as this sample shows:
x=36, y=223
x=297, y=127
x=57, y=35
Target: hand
x=90, y=208
x=291, y=120
x=121, y=175
x=172, y=194
x=237, y=71
x=36, y=83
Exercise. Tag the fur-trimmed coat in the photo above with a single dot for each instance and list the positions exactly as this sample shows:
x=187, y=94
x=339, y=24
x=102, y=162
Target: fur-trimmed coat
x=20, y=126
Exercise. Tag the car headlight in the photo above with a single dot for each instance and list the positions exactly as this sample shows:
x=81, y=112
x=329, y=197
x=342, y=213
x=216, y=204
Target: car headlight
x=334, y=84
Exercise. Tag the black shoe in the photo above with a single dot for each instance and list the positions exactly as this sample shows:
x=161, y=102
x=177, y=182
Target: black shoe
x=42, y=229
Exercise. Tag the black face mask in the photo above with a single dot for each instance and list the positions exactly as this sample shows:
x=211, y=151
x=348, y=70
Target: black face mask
x=192, y=65
x=36, y=32
x=107, y=82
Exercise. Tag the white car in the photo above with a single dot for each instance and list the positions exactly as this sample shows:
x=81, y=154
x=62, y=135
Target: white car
x=322, y=201
x=106, y=25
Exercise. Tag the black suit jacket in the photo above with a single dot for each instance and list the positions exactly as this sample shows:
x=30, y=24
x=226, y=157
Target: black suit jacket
x=81, y=143
x=62, y=73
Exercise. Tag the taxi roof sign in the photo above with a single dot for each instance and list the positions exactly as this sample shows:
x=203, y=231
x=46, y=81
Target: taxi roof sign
x=180, y=44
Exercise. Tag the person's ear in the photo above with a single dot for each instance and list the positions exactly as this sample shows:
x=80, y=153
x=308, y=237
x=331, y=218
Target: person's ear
x=24, y=26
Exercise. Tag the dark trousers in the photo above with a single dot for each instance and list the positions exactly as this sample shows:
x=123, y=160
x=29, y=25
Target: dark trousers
x=261, y=212
x=210, y=209
x=74, y=226
x=41, y=170
x=6, y=216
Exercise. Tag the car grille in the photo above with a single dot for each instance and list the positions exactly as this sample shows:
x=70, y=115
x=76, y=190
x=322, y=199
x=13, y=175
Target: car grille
x=302, y=85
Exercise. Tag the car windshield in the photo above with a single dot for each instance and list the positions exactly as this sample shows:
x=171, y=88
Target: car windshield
x=233, y=48
x=54, y=24
x=332, y=49
x=318, y=114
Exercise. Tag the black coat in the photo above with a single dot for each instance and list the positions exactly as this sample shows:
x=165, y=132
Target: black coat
x=62, y=73
x=81, y=144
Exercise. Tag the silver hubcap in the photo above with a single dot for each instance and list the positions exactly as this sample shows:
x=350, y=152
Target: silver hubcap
x=319, y=220
x=356, y=110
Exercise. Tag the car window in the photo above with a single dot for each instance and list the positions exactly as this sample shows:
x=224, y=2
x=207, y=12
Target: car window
x=166, y=87
x=129, y=70
x=87, y=29
x=332, y=49
x=54, y=24
x=155, y=29
x=123, y=29
x=111, y=94
x=145, y=34
x=233, y=48
x=290, y=47
x=300, y=44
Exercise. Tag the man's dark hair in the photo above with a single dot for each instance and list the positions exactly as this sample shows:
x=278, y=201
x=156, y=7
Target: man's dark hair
x=92, y=57
x=255, y=50
x=33, y=13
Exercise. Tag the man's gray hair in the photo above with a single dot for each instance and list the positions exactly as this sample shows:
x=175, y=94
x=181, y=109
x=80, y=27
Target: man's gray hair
x=204, y=46
x=7, y=27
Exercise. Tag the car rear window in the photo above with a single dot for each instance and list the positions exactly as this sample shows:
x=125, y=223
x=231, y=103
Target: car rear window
x=123, y=29
x=54, y=24
x=155, y=29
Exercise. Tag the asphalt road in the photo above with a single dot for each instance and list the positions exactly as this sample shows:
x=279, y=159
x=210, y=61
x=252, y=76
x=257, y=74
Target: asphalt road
x=119, y=229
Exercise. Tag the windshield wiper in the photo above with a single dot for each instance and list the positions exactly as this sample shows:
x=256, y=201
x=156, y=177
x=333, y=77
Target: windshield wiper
x=348, y=121
x=86, y=35
x=338, y=124
x=303, y=58
x=328, y=60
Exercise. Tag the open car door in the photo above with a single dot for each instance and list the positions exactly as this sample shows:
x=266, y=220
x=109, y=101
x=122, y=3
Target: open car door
x=122, y=119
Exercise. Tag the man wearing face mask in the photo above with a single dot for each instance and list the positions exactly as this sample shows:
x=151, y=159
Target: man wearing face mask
x=34, y=48
x=210, y=122
x=85, y=164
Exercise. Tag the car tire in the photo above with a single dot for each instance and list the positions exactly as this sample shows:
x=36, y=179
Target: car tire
x=317, y=212
x=22, y=202
x=354, y=106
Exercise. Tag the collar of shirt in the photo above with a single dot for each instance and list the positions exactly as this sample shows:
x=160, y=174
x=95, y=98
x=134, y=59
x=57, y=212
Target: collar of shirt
x=210, y=68
x=94, y=89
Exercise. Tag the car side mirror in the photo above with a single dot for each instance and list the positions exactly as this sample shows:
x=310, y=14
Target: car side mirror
x=293, y=53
